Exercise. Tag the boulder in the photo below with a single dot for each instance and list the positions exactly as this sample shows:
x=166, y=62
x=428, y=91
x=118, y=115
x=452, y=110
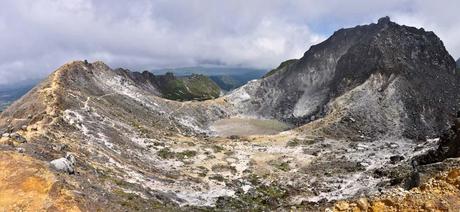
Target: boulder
x=396, y=159
x=65, y=164
x=363, y=204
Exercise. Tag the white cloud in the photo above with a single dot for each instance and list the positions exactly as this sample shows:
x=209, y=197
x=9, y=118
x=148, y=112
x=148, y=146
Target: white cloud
x=145, y=34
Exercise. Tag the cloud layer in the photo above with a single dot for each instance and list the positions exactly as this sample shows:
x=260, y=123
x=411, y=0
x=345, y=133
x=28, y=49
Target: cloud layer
x=37, y=36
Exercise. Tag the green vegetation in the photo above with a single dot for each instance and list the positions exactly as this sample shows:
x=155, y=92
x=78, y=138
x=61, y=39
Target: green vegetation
x=217, y=148
x=293, y=143
x=281, y=165
x=223, y=168
x=194, y=87
x=186, y=154
x=133, y=202
x=166, y=153
x=226, y=78
x=203, y=171
x=309, y=141
x=263, y=198
x=227, y=82
x=282, y=66
x=217, y=177
x=137, y=125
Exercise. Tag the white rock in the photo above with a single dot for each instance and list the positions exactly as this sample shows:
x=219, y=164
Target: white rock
x=64, y=164
x=393, y=145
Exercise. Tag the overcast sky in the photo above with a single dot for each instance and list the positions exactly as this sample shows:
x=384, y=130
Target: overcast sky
x=37, y=36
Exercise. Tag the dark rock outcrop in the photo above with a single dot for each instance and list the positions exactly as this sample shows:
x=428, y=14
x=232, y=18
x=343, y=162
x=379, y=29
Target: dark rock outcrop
x=391, y=79
x=449, y=146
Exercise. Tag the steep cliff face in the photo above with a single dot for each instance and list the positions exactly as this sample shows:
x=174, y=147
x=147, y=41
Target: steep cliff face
x=388, y=76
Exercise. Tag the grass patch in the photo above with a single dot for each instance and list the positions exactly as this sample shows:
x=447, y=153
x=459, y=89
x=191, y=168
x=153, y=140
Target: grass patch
x=186, y=154
x=217, y=177
x=166, y=153
x=217, y=148
x=263, y=198
x=281, y=165
x=133, y=202
x=223, y=168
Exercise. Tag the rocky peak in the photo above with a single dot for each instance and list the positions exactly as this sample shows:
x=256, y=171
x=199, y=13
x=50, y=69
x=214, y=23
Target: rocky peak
x=355, y=71
x=384, y=20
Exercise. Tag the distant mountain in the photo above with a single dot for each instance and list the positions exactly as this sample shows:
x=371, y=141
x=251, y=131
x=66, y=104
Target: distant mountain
x=12, y=92
x=209, y=71
x=458, y=63
x=227, y=78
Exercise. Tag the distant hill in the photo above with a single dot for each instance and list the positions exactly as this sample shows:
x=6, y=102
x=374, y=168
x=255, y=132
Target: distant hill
x=227, y=78
x=169, y=86
x=12, y=92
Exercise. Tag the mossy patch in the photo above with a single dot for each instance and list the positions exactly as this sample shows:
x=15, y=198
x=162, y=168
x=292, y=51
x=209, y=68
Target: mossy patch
x=133, y=202
x=194, y=87
x=166, y=153
x=260, y=198
x=223, y=168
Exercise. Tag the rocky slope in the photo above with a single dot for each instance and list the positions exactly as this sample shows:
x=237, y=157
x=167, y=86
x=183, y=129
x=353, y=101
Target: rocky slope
x=106, y=139
x=458, y=65
x=389, y=77
x=428, y=189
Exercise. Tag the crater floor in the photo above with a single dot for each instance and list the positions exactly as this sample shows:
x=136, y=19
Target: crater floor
x=247, y=126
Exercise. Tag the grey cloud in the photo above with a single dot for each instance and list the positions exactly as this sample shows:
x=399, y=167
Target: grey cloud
x=37, y=36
